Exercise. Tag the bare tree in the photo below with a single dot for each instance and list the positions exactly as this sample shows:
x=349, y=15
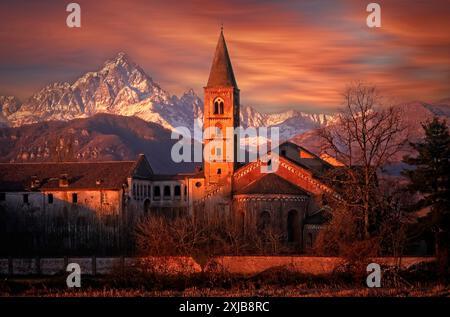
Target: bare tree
x=366, y=136
x=161, y=236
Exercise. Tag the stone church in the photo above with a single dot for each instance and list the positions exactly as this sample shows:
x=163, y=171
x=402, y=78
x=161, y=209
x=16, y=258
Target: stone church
x=291, y=198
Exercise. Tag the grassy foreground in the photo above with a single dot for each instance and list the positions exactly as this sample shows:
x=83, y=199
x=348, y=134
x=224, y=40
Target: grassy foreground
x=275, y=282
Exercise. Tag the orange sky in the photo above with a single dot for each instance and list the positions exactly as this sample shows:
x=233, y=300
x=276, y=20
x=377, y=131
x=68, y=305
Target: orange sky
x=286, y=54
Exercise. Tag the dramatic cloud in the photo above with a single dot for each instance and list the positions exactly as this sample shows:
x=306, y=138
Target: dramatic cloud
x=286, y=54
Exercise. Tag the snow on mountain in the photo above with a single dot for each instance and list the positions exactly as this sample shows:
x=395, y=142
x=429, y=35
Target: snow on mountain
x=414, y=114
x=122, y=87
x=290, y=122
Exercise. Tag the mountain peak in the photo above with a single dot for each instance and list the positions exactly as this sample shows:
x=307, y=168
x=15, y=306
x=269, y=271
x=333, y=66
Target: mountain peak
x=120, y=59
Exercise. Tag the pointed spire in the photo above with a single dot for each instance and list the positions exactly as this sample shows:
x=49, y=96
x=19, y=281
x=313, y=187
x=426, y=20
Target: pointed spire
x=221, y=73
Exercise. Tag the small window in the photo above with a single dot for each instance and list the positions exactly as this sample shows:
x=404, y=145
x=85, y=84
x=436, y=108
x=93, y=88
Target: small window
x=177, y=190
x=198, y=184
x=166, y=191
x=75, y=198
x=50, y=198
x=263, y=223
x=219, y=171
x=218, y=131
x=2, y=196
x=25, y=199
x=156, y=193
x=219, y=151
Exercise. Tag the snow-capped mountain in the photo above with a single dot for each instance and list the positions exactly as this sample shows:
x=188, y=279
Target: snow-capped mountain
x=121, y=87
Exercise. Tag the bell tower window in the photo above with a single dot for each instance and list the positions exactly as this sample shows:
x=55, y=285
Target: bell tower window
x=218, y=106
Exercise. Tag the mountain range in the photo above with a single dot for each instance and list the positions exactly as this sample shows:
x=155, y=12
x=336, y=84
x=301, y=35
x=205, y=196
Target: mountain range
x=119, y=111
x=121, y=87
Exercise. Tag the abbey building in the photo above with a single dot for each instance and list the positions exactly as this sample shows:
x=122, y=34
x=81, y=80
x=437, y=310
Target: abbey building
x=291, y=198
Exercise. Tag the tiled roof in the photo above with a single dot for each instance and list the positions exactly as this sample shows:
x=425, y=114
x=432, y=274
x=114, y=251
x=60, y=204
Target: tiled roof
x=271, y=184
x=18, y=176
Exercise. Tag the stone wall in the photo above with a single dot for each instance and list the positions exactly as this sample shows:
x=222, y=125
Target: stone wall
x=247, y=265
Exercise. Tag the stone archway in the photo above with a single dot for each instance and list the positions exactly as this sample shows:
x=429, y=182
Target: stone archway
x=293, y=226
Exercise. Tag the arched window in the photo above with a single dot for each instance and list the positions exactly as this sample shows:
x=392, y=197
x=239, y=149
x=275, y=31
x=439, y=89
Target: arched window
x=167, y=192
x=263, y=221
x=293, y=226
x=218, y=130
x=177, y=191
x=156, y=193
x=218, y=106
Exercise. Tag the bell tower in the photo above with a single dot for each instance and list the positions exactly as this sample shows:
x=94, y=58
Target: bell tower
x=221, y=111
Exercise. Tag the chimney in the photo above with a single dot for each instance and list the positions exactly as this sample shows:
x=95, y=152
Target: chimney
x=64, y=180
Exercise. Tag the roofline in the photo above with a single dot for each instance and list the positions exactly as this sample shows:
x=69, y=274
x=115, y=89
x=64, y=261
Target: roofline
x=306, y=150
